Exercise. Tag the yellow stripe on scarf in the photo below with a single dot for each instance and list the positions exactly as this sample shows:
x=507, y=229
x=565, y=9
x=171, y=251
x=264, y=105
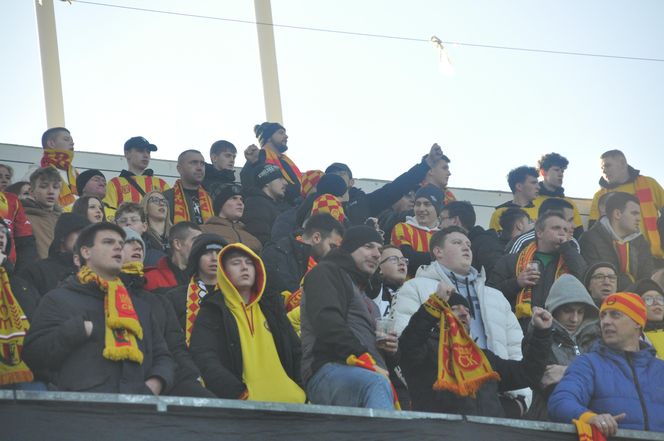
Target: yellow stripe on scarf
x=271, y=157
x=195, y=292
x=13, y=326
x=181, y=208
x=524, y=299
x=587, y=432
x=122, y=326
x=462, y=366
x=61, y=160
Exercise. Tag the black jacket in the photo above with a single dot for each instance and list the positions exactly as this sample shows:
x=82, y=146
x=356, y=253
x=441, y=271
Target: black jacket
x=559, y=193
x=167, y=323
x=215, y=344
x=336, y=319
x=503, y=276
x=260, y=212
x=486, y=247
x=286, y=262
x=418, y=346
x=57, y=342
x=25, y=293
x=214, y=179
x=597, y=246
x=46, y=274
x=248, y=179
x=361, y=205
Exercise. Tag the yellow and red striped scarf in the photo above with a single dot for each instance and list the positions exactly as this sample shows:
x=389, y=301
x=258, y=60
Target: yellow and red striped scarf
x=648, y=214
x=196, y=290
x=293, y=299
x=274, y=158
x=13, y=326
x=122, y=326
x=643, y=192
x=462, y=366
x=524, y=299
x=181, y=209
x=61, y=160
x=330, y=204
x=587, y=432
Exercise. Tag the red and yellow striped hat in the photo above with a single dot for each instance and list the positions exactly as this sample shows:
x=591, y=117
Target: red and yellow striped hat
x=629, y=304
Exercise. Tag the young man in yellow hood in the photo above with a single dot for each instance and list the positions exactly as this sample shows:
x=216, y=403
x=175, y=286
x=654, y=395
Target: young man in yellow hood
x=242, y=341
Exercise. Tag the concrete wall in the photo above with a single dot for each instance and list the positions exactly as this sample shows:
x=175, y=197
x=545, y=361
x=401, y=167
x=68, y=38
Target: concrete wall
x=20, y=157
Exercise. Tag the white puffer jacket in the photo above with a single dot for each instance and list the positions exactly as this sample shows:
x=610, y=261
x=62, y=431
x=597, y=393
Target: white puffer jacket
x=503, y=332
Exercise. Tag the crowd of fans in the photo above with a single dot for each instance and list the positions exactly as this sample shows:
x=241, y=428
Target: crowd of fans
x=297, y=287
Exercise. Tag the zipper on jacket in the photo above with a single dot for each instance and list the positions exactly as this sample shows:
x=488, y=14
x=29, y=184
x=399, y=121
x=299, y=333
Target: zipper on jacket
x=646, y=424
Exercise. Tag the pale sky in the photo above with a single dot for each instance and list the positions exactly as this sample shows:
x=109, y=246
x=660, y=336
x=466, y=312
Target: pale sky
x=376, y=104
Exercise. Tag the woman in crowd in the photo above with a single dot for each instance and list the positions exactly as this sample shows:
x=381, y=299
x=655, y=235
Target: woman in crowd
x=91, y=208
x=20, y=189
x=6, y=175
x=653, y=296
x=158, y=219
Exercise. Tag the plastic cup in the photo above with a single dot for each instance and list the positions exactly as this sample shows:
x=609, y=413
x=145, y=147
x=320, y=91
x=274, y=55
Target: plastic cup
x=385, y=327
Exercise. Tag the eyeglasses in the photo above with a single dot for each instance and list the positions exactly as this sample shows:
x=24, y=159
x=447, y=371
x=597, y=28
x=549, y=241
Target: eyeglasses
x=649, y=301
x=611, y=277
x=157, y=200
x=128, y=220
x=395, y=259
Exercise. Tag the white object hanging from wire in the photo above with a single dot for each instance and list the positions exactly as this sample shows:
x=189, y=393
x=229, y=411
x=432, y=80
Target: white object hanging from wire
x=444, y=61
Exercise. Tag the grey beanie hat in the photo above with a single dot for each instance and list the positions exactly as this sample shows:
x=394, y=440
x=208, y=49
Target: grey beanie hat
x=133, y=235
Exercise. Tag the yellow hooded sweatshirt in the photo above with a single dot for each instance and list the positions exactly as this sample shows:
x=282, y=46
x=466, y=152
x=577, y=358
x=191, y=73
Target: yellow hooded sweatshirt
x=262, y=371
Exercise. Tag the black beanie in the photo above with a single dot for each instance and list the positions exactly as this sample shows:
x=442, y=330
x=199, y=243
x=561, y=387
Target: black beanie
x=433, y=195
x=84, y=177
x=224, y=193
x=358, y=236
x=265, y=131
x=201, y=244
x=592, y=268
x=458, y=299
x=331, y=184
x=266, y=174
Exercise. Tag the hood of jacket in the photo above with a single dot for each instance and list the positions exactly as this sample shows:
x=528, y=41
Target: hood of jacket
x=557, y=193
x=604, y=222
x=436, y=271
x=412, y=221
x=211, y=172
x=127, y=174
x=568, y=289
x=344, y=260
x=231, y=295
x=633, y=174
x=34, y=208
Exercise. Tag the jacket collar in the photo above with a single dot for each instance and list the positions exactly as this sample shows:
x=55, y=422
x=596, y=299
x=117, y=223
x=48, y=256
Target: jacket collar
x=633, y=174
x=127, y=174
x=557, y=193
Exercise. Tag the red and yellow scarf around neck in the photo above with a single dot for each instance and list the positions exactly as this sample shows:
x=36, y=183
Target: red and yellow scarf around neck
x=524, y=299
x=13, y=326
x=61, y=160
x=274, y=158
x=122, y=326
x=181, y=208
x=462, y=366
x=196, y=290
